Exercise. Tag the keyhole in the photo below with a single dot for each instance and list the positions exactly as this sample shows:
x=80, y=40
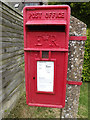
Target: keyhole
x=34, y=78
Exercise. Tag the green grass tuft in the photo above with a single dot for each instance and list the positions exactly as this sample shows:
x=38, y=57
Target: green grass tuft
x=83, y=101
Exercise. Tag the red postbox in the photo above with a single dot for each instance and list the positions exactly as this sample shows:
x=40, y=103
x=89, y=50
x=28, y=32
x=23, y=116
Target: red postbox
x=46, y=37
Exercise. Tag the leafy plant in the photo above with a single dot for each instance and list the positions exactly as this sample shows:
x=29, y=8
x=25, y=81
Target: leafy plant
x=86, y=64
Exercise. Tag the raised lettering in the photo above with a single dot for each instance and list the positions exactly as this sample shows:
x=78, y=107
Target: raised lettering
x=35, y=15
x=47, y=15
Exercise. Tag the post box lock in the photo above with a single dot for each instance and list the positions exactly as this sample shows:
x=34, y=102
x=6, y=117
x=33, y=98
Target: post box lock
x=34, y=78
x=46, y=37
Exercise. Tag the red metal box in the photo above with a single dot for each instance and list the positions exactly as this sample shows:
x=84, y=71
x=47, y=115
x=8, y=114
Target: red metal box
x=46, y=37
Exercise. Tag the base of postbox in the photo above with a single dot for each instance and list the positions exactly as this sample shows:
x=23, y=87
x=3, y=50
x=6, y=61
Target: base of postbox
x=45, y=105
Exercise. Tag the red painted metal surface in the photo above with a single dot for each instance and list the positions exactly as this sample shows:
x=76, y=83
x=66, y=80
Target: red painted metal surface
x=46, y=28
x=74, y=83
x=77, y=37
x=62, y=22
x=45, y=49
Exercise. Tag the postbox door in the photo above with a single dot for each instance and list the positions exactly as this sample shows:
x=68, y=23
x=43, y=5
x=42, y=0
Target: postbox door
x=45, y=92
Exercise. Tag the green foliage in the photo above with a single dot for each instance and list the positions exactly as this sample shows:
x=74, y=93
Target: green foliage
x=81, y=11
x=86, y=65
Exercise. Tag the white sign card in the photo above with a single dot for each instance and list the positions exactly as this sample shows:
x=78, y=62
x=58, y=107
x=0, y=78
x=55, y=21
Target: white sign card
x=45, y=76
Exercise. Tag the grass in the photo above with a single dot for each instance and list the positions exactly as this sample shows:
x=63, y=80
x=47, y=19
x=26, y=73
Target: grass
x=83, y=101
x=22, y=110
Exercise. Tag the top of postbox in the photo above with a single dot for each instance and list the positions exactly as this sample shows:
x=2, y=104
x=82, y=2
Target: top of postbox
x=47, y=15
x=46, y=27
